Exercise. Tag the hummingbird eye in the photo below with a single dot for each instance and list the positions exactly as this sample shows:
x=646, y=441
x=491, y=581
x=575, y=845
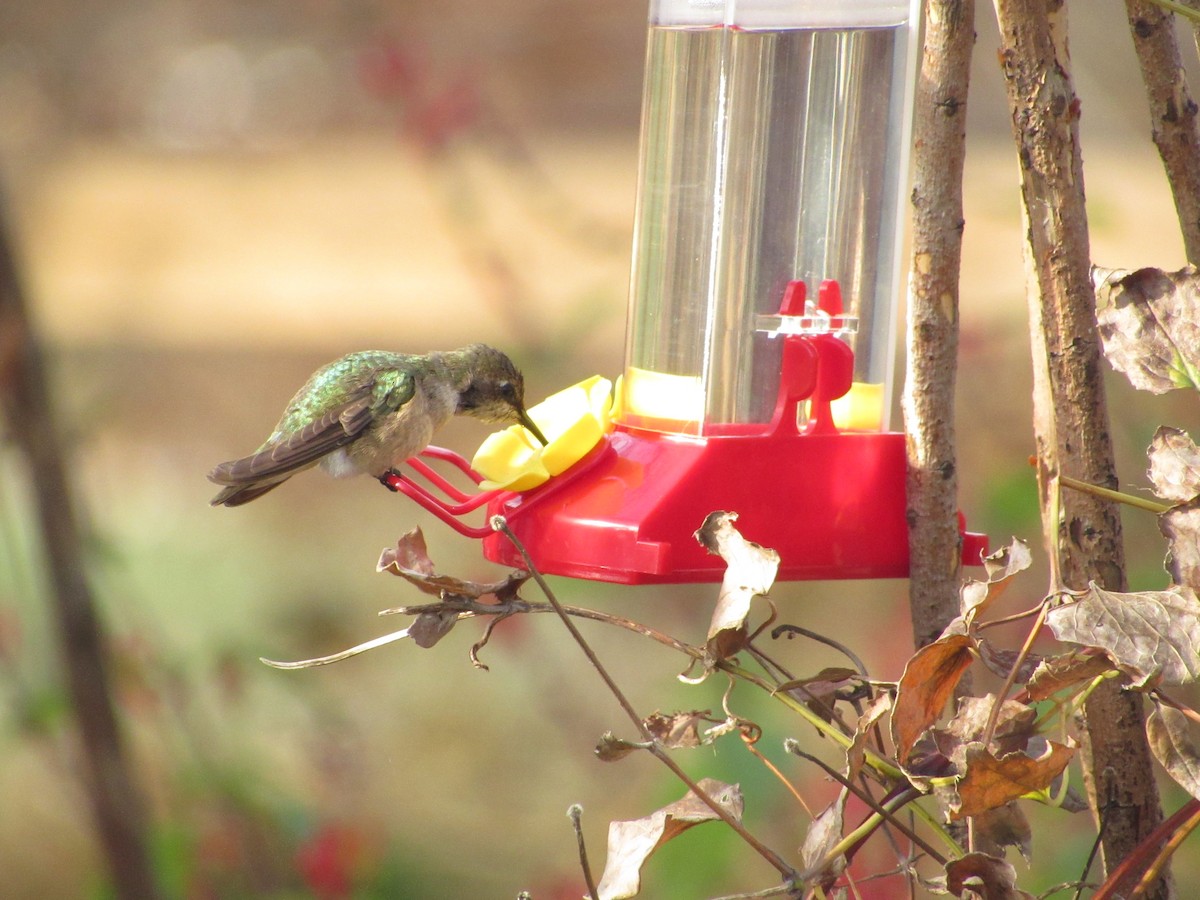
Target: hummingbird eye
x=508, y=391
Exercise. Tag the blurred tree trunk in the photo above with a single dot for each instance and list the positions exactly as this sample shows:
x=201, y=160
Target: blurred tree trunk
x=939, y=142
x=116, y=803
x=1083, y=533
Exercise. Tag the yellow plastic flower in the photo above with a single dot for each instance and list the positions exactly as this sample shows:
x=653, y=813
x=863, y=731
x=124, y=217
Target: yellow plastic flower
x=573, y=421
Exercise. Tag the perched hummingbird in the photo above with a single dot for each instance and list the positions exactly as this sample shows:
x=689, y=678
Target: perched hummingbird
x=369, y=411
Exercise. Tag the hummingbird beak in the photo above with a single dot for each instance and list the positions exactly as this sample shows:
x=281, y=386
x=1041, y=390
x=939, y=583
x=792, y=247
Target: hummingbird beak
x=523, y=418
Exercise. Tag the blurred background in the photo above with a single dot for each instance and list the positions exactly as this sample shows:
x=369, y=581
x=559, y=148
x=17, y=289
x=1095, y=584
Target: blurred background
x=210, y=199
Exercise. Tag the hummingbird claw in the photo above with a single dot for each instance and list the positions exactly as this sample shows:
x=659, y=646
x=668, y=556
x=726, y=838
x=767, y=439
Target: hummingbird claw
x=386, y=479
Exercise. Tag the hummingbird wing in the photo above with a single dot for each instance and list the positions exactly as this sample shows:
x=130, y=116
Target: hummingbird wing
x=287, y=452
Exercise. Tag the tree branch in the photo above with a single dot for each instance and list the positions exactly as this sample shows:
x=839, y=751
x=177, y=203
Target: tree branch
x=935, y=545
x=1172, y=113
x=1070, y=413
x=25, y=401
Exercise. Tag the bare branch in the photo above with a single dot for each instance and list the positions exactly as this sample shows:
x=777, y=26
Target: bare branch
x=1172, y=113
x=26, y=403
x=1082, y=531
x=935, y=546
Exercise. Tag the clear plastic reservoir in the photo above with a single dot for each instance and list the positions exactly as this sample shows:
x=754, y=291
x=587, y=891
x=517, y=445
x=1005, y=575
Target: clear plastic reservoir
x=774, y=148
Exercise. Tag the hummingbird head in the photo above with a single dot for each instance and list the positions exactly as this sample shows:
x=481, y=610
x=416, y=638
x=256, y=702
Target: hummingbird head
x=495, y=390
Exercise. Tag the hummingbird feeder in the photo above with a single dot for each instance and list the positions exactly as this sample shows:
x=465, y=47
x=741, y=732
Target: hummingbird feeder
x=773, y=162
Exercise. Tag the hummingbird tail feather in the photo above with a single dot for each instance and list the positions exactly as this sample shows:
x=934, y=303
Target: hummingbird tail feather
x=237, y=494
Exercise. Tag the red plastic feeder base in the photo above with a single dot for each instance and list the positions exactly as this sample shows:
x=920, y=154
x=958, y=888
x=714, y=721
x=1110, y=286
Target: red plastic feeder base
x=832, y=505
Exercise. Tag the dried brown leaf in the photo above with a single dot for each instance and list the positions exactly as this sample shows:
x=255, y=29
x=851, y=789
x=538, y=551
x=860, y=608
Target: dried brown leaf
x=1151, y=635
x=750, y=571
x=823, y=835
x=1014, y=725
x=410, y=560
x=820, y=692
x=1055, y=673
x=1007, y=561
x=978, y=875
x=856, y=753
x=1180, y=525
x=1004, y=826
x=678, y=730
x=1000, y=660
x=1174, y=465
x=927, y=684
x=990, y=782
x=430, y=627
x=631, y=842
x=611, y=748
x=1169, y=732
x=1150, y=325
x=1000, y=566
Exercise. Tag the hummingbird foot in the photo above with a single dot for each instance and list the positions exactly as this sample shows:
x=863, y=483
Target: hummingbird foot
x=388, y=479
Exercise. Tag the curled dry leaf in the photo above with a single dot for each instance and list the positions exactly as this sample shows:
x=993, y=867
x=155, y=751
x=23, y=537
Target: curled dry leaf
x=1000, y=660
x=1174, y=465
x=678, y=730
x=1004, y=826
x=1014, y=725
x=856, y=753
x=1007, y=561
x=1180, y=525
x=631, y=842
x=1169, y=732
x=611, y=748
x=989, y=782
x=821, y=691
x=927, y=684
x=750, y=571
x=977, y=596
x=978, y=875
x=1150, y=325
x=430, y=627
x=823, y=835
x=1151, y=635
x=1059, y=672
x=410, y=560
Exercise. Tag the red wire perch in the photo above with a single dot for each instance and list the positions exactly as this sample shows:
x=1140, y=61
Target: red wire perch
x=446, y=510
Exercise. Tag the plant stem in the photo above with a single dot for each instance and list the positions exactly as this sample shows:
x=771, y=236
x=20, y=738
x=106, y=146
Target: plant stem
x=1115, y=496
x=659, y=752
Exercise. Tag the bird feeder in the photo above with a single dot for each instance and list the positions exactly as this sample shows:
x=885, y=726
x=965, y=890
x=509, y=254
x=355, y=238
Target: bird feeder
x=761, y=328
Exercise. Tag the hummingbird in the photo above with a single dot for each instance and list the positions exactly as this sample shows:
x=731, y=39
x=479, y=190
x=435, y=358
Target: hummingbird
x=369, y=411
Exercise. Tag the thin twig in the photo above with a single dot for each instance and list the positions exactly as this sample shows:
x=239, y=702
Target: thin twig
x=1015, y=617
x=994, y=714
x=1180, y=834
x=822, y=639
x=780, y=890
x=498, y=523
x=783, y=779
x=575, y=813
x=1095, y=851
x=864, y=830
x=889, y=815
